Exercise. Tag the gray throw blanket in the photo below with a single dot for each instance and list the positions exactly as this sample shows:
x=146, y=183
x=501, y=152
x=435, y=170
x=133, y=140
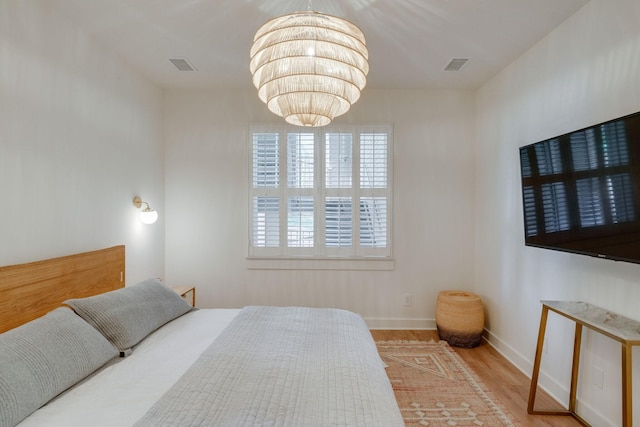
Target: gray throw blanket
x=275, y=366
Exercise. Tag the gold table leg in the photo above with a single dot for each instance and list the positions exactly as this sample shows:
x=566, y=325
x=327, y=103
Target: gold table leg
x=574, y=372
x=538, y=358
x=627, y=401
x=575, y=367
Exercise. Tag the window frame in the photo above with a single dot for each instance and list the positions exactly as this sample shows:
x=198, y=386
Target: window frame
x=357, y=256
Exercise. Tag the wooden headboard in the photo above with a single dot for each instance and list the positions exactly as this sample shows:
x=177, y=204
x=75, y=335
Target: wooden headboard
x=28, y=291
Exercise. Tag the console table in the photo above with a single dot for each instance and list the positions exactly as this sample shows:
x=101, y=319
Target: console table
x=622, y=329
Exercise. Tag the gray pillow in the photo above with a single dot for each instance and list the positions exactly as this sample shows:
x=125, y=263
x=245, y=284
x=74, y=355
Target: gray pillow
x=126, y=316
x=44, y=357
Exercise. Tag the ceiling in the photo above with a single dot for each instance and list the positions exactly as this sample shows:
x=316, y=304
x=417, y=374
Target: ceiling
x=410, y=42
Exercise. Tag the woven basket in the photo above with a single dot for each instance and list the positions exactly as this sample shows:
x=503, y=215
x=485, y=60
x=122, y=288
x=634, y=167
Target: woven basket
x=460, y=318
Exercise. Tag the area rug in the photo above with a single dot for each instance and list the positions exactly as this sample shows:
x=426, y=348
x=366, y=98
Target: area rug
x=436, y=388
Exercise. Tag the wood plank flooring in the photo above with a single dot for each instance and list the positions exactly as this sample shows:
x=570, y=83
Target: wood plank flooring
x=504, y=380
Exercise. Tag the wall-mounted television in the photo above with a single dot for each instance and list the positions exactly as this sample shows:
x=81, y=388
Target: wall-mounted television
x=581, y=191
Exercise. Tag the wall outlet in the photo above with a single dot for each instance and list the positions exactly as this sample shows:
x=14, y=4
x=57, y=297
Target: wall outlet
x=406, y=299
x=598, y=377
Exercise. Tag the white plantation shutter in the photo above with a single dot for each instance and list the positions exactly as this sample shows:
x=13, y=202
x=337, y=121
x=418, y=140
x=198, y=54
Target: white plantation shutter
x=339, y=160
x=339, y=192
x=300, y=160
x=265, y=160
x=300, y=222
x=265, y=204
x=373, y=160
x=300, y=205
x=373, y=222
x=374, y=190
x=266, y=222
x=338, y=222
x=336, y=201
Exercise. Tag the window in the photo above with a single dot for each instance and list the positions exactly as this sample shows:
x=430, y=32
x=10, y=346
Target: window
x=320, y=193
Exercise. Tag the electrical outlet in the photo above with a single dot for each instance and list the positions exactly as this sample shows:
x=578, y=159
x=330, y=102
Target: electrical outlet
x=406, y=299
x=598, y=377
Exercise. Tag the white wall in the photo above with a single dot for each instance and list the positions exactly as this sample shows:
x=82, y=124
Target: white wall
x=585, y=72
x=207, y=197
x=80, y=136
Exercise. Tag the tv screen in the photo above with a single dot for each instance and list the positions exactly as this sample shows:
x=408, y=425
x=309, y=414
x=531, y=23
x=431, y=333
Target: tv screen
x=581, y=191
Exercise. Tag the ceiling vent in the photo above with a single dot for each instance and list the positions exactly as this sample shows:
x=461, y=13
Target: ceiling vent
x=182, y=64
x=456, y=64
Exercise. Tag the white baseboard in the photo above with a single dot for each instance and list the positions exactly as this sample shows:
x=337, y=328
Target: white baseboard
x=400, y=324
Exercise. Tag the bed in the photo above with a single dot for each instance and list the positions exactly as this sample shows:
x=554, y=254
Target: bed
x=78, y=348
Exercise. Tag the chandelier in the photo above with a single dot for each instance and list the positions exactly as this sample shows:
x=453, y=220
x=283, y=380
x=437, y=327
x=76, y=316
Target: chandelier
x=309, y=67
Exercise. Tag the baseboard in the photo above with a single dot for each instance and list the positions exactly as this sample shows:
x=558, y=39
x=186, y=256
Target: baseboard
x=525, y=365
x=518, y=360
x=400, y=324
x=545, y=382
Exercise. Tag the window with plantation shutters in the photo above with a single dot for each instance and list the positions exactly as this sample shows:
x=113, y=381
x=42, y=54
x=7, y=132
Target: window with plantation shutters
x=322, y=192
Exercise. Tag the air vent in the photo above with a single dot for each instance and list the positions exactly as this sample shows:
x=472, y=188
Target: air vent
x=182, y=64
x=456, y=64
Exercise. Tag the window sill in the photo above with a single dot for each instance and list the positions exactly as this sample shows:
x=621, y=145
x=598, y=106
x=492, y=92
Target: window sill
x=359, y=264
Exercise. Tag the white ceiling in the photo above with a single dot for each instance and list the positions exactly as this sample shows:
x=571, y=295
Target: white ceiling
x=409, y=41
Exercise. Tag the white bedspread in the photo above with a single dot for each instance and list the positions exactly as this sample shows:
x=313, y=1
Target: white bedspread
x=121, y=393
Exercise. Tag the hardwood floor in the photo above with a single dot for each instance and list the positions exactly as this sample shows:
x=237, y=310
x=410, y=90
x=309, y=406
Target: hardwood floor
x=504, y=380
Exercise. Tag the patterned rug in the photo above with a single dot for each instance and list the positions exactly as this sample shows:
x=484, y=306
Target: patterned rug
x=435, y=387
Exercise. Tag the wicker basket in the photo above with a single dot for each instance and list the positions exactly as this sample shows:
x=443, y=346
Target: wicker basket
x=460, y=318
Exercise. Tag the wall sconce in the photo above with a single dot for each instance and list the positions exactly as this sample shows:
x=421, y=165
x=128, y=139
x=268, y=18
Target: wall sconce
x=148, y=215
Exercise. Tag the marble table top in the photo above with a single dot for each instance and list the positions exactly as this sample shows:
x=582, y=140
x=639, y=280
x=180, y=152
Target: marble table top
x=598, y=318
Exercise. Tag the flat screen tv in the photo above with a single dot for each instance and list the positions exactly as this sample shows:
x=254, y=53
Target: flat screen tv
x=581, y=191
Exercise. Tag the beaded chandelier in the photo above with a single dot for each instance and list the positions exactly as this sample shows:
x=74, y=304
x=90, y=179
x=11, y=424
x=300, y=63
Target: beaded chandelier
x=309, y=67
